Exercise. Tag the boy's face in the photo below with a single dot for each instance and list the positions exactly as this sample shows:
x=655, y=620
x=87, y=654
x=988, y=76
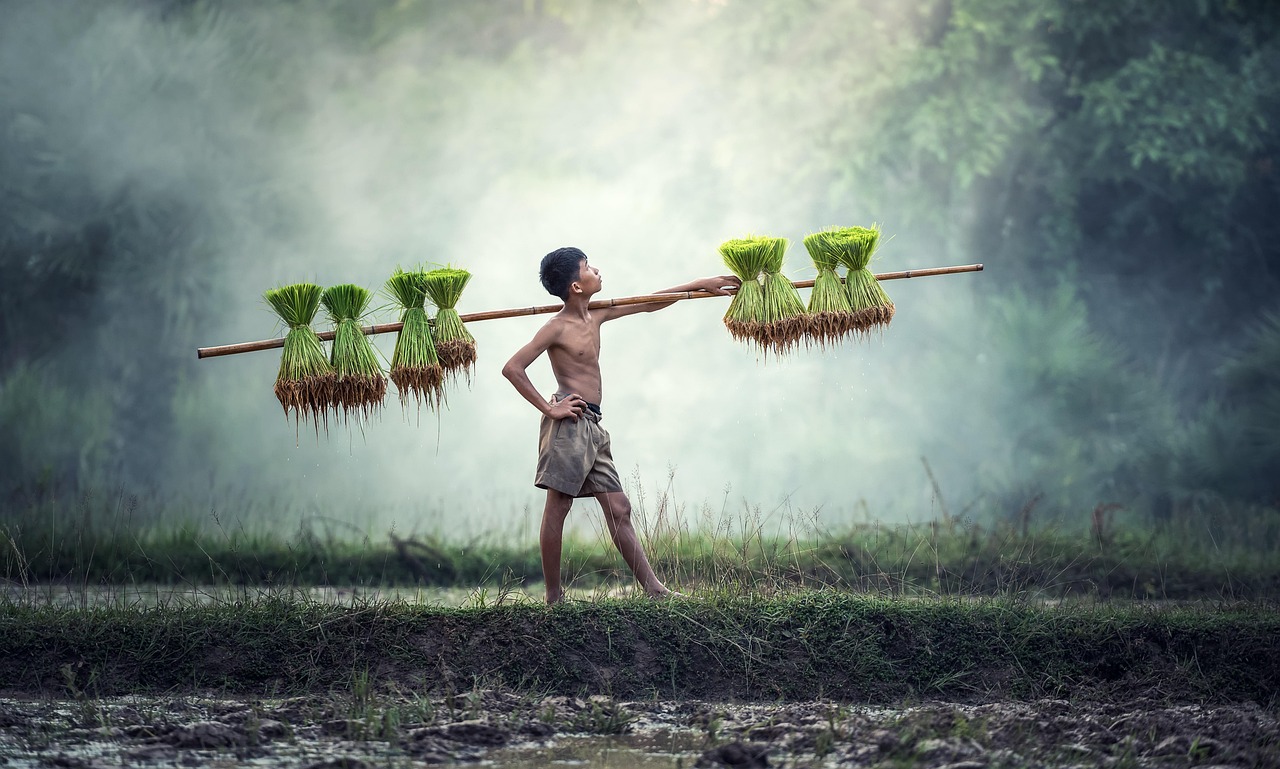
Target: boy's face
x=589, y=281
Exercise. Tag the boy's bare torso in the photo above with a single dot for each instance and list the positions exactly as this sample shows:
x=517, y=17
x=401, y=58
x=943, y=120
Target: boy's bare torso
x=571, y=340
x=575, y=356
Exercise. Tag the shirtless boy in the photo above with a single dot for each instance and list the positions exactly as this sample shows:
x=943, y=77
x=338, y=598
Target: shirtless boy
x=574, y=458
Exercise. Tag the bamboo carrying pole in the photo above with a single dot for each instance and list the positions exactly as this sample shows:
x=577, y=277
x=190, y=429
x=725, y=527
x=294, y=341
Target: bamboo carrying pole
x=386, y=328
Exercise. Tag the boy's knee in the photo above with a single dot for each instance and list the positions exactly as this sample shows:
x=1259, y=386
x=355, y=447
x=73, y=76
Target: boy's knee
x=618, y=510
x=558, y=503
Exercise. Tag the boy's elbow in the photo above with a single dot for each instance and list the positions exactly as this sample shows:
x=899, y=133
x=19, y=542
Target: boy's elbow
x=509, y=370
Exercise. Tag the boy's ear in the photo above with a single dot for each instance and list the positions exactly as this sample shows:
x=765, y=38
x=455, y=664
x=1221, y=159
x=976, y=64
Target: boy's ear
x=575, y=287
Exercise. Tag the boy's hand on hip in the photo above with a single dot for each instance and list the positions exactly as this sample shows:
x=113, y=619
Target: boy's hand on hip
x=571, y=406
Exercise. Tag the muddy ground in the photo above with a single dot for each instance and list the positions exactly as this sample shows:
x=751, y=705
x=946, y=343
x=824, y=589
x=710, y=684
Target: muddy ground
x=504, y=728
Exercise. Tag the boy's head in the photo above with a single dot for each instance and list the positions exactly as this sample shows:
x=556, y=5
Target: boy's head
x=560, y=269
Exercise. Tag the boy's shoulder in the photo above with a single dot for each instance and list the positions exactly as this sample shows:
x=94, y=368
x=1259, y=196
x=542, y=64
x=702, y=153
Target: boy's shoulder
x=553, y=326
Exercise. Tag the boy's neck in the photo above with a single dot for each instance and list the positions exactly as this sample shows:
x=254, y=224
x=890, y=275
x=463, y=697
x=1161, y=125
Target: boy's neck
x=578, y=305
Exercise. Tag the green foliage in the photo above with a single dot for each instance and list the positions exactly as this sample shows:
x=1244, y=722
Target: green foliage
x=1125, y=148
x=305, y=381
x=408, y=288
x=804, y=646
x=360, y=386
x=1197, y=553
x=783, y=319
x=867, y=304
x=828, y=302
x=52, y=430
x=415, y=364
x=750, y=258
x=1235, y=443
x=456, y=345
x=296, y=304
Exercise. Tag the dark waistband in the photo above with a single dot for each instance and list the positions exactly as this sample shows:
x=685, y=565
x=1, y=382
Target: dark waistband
x=590, y=406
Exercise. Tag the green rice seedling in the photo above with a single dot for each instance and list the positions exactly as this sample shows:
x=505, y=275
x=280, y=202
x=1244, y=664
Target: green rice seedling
x=747, y=258
x=415, y=365
x=829, y=312
x=785, y=322
x=360, y=385
x=455, y=345
x=304, y=384
x=868, y=302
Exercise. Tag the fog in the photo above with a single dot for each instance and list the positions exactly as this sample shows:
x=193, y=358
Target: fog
x=292, y=149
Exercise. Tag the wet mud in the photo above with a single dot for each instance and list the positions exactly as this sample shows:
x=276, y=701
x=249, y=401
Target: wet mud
x=396, y=728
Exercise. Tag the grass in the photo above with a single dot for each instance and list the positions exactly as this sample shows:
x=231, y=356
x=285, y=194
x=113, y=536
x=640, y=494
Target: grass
x=360, y=385
x=102, y=541
x=415, y=365
x=305, y=380
x=869, y=305
x=785, y=321
x=829, y=311
x=455, y=344
x=945, y=610
x=747, y=258
x=812, y=644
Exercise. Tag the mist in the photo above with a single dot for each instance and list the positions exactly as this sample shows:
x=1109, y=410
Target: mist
x=260, y=145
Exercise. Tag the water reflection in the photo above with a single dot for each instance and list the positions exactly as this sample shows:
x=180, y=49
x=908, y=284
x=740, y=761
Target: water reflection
x=648, y=750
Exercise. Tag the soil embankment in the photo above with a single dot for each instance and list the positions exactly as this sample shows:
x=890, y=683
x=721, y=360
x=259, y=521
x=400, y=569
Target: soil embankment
x=809, y=646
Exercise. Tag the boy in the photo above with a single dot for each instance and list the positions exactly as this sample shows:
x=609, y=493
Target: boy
x=574, y=457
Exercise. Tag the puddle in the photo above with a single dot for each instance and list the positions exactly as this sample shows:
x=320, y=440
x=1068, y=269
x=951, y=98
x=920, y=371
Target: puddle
x=662, y=749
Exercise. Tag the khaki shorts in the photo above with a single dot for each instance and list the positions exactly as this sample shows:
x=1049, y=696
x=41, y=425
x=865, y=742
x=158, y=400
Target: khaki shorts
x=575, y=458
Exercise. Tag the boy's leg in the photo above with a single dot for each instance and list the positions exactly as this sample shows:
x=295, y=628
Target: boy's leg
x=550, y=539
x=617, y=517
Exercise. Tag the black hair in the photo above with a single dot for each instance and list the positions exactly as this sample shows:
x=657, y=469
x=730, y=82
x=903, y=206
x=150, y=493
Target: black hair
x=560, y=269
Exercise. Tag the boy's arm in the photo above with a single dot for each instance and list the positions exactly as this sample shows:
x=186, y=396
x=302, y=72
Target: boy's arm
x=718, y=285
x=515, y=372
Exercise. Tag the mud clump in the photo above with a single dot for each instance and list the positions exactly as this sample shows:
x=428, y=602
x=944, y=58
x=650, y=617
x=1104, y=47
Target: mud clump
x=475, y=732
x=343, y=730
x=737, y=754
x=207, y=735
x=341, y=762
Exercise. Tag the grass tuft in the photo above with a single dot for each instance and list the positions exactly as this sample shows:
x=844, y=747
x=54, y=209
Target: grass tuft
x=785, y=322
x=869, y=304
x=305, y=382
x=830, y=316
x=455, y=344
x=415, y=364
x=360, y=385
x=748, y=258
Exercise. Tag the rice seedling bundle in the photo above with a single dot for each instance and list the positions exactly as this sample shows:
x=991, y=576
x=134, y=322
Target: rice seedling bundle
x=868, y=302
x=830, y=317
x=747, y=258
x=360, y=385
x=305, y=381
x=784, y=322
x=415, y=365
x=454, y=344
